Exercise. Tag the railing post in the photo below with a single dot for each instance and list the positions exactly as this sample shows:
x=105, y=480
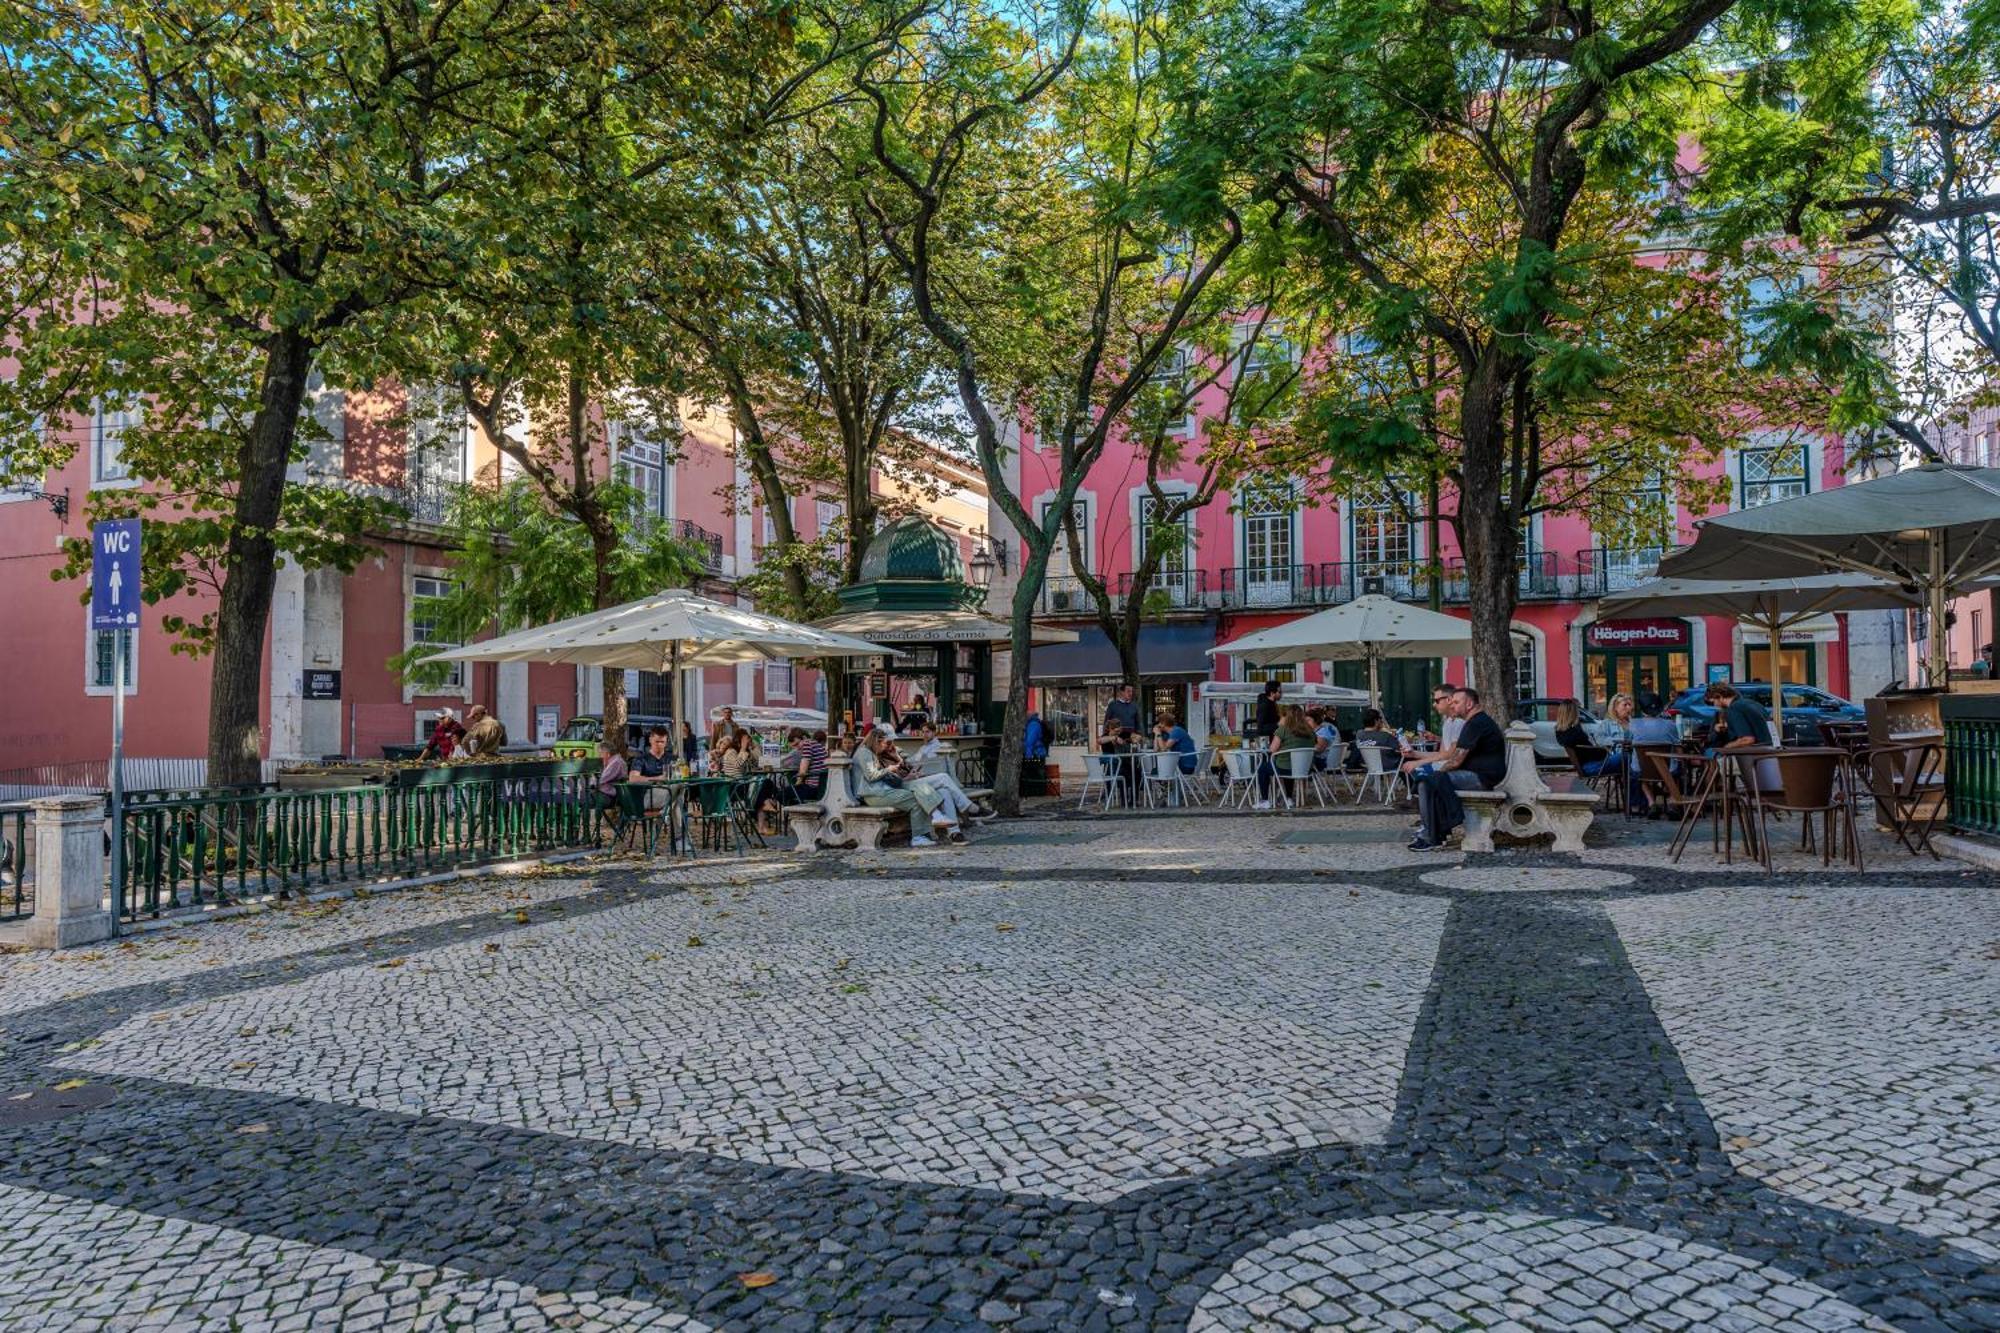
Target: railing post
x=69, y=873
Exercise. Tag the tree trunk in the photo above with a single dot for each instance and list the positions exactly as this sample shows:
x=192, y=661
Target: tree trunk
x=1490, y=532
x=250, y=565
x=1014, y=727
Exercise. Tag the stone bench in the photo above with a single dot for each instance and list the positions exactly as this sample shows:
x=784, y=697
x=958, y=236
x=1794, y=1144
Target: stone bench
x=1525, y=805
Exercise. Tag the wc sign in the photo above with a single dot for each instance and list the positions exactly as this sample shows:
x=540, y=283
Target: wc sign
x=114, y=574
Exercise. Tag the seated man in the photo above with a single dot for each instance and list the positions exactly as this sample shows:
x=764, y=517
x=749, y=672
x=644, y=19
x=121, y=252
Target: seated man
x=1477, y=759
x=1739, y=722
x=1169, y=734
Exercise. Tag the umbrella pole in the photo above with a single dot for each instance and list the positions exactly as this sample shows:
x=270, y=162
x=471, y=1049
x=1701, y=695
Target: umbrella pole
x=1374, y=679
x=674, y=687
x=1938, y=669
x=1777, y=685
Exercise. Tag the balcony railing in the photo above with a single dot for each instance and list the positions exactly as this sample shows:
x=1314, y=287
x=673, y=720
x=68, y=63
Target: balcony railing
x=1177, y=590
x=708, y=545
x=1543, y=576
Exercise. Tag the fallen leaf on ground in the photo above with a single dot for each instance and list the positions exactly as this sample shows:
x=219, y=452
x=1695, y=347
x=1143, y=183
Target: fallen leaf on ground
x=393, y=962
x=70, y=1084
x=694, y=941
x=757, y=1279
x=1005, y=925
x=259, y=1128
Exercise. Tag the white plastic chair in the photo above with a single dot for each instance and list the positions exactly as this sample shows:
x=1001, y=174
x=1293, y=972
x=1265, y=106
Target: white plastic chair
x=1297, y=765
x=1242, y=784
x=1165, y=779
x=1203, y=778
x=1380, y=775
x=1100, y=772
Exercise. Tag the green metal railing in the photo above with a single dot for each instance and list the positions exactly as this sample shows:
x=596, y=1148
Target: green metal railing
x=17, y=825
x=1972, y=762
x=191, y=849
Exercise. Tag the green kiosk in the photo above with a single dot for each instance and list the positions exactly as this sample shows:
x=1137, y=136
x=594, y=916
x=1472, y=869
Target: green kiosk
x=913, y=597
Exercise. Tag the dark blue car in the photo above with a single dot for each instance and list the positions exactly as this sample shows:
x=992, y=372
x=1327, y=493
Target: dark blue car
x=1806, y=706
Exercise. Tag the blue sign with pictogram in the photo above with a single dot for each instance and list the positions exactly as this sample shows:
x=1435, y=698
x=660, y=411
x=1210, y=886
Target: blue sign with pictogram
x=114, y=574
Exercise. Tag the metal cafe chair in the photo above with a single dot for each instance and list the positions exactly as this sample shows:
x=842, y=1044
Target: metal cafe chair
x=1165, y=780
x=1811, y=781
x=1907, y=782
x=1242, y=784
x=1100, y=774
x=1380, y=773
x=1298, y=768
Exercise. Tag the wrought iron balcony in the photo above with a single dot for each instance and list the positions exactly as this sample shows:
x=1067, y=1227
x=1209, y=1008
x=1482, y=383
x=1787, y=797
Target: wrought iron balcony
x=708, y=544
x=1177, y=590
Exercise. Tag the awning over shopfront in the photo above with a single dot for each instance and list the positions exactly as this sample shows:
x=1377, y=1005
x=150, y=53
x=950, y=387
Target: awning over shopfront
x=1177, y=649
x=934, y=626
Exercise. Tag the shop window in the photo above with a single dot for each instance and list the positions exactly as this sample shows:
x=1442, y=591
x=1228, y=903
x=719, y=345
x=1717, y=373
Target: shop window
x=1524, y=667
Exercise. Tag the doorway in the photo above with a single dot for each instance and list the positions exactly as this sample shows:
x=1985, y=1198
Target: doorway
x=1796, y=661
x=1658, y=673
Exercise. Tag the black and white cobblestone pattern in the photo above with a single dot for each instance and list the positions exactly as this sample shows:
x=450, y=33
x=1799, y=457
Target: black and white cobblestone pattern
x=1536, y=1083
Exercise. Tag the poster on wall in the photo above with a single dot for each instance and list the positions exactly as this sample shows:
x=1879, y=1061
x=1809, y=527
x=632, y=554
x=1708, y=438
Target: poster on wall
x=548, y=721
x=1718, y=673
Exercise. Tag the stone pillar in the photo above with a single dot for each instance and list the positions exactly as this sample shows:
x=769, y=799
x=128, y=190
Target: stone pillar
x=1523, y=781
x=839, y=794
x=69, y=873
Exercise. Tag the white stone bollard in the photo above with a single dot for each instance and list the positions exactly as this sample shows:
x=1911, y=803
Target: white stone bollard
x=69, y=873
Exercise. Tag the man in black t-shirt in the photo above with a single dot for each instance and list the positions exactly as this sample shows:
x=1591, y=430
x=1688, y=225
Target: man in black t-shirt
x=1477, y=760
x=1266, y=725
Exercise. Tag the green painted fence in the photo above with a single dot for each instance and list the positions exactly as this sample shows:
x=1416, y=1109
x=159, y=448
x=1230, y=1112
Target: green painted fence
x=1972, y=761
x=192, y=849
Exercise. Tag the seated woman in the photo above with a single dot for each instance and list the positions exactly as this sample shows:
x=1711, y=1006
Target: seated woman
x=1569, y=727
x=944, y=783
x=1294, y=733
x=612, y=769
x=806, y=764
x=882, y=783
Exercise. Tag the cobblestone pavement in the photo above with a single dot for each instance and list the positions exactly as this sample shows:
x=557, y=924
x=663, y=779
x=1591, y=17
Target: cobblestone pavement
x=1188, y=1072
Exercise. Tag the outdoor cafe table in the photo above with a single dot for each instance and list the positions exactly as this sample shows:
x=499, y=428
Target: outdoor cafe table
x=679, y=792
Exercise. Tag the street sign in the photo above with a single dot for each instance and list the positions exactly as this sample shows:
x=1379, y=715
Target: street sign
x=114, y=574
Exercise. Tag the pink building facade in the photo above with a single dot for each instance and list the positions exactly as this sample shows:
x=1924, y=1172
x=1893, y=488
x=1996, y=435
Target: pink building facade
x=327, y=688
x=1262, y=555
x=1974, y=442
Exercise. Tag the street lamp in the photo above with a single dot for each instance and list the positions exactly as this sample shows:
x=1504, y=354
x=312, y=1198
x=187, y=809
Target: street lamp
x=989, y=555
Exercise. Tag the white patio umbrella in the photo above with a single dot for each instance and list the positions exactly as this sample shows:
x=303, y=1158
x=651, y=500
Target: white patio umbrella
x=665, y=632
x=1367, y=629
x=1773, y=605
x=1935, y=527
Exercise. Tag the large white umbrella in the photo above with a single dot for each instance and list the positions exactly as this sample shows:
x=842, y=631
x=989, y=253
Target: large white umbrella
x=1935, y=527
x=1366, y=629
x=665, y=632
x=1773, y=605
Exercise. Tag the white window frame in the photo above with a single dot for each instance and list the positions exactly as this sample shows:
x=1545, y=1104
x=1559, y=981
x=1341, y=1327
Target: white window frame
x=1271, y=343
x=1768, y=442
x=120, y=421
x=462, y=688
x=780, y=678
x=632, y=452
x=1281, y=576
x=1142, y=500
x=90, y=686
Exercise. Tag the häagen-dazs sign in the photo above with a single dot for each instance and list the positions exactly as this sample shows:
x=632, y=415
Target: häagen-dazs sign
x=1654, y=632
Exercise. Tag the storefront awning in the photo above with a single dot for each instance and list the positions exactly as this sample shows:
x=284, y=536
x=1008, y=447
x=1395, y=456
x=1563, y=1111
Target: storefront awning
x=1179, y=649
x=940, y=626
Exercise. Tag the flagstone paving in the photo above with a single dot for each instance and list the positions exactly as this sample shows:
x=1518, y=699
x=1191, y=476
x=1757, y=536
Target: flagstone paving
x=1164, y=1072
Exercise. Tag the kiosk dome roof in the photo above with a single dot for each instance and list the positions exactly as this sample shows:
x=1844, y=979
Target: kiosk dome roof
x=912, y=548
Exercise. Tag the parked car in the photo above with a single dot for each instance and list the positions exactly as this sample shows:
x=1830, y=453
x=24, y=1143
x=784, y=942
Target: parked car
x=579, y=739
x=1806, y=706
x=1541, y=715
